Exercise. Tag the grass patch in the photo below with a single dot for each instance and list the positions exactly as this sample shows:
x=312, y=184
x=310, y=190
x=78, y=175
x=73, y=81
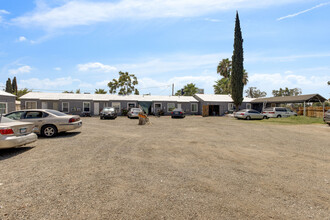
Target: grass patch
x=294, y=120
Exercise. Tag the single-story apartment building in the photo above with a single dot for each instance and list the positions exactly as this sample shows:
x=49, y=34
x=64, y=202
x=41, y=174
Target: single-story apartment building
x=218, y=105
x=94, y=103
x=7, y=102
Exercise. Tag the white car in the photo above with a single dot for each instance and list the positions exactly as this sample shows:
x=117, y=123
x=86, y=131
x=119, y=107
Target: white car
x=48, y=122
x=15, y=133
x=278, y=112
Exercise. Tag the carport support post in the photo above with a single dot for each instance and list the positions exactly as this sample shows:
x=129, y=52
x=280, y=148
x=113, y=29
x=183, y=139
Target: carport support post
x=323, y=108
x=304, y=108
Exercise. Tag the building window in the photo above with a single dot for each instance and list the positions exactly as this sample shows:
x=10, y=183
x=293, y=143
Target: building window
x=87, y=106
x=65, y=107
x=158, y=105
x=3, y=107
x=130, y=105
x=194, y=107
x=170, y=107
x=116, y=106
x=30, y=105
x=230, y=106
x=248, y=105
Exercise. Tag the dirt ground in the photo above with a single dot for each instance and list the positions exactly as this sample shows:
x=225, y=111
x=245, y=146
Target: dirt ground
x=191, y=168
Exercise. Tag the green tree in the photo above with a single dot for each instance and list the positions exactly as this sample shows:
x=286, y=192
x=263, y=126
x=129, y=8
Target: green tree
x=9, y=87
x=78, y=91
x=287, y=92
x=224, y=69
x=125, y=84
x=253, y=92
x=222, y=86
x=68, y=91
x=188, y=90
x=237, y=66
x=22, y=92
x=328, y=83
x=100, y=91
x=14, y=85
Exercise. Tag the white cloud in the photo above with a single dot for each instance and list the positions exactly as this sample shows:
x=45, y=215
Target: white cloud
x=264, y=58
x=212, y=20
x=269, y=81
x=304, y=11
x=73, y=13
x=3, y=12
x=22, y=69
x=58, y=68
x=99, y=67
x=35, y=83
x=22, y=39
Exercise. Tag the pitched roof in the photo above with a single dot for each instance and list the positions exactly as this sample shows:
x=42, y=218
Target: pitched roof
x=3, y=93
x=218, y=98
x=291, y=99
x=105, y=97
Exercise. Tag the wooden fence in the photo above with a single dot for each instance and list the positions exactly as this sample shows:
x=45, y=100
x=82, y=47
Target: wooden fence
x=312, y=111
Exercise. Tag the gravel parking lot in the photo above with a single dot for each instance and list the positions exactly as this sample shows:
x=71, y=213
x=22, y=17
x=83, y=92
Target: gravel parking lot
x=191, y=168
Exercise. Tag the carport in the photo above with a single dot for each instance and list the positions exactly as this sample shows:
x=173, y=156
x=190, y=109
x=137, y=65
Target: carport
x=261, y=103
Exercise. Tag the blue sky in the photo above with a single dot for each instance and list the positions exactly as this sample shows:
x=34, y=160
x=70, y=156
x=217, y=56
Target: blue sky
x=56, y=45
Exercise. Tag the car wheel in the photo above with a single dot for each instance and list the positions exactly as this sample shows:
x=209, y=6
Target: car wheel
x=101, y=117
x=265, y=117
x=279, y=116
x=49, y=131
x=248, y=118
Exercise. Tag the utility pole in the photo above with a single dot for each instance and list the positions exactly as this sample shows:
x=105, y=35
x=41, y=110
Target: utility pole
x=173, y=89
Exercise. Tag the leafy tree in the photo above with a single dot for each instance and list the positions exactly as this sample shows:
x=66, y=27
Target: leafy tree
x=222, y=86
x=100, y=91
x=14, y=86
x=328, y=83
x=286, y=92
x=9, y=87
x=253, y=92
x=22, y=92
x=237, y=66
x=77, y=91
x=68, y=91
x=188, y=90
x=126, y=84
x=224, y=69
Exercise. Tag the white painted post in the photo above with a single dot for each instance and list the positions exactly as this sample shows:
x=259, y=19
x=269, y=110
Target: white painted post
x=323, y=109
x=304, y=108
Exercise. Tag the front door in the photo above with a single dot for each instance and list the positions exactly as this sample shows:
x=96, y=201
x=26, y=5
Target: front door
x=205, y=112
x=96, y=108
x=179, y=105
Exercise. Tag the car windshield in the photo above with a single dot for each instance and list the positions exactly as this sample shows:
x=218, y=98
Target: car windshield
x=108, y=109
x=136, y=110
x=57, y=113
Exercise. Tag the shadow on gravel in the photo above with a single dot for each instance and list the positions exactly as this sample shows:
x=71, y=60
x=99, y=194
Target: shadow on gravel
x=62, y=135
x=12, y=152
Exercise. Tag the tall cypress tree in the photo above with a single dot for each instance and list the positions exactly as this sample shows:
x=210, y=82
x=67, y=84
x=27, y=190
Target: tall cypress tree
x=237, y=66
x=9, y=87
x=14, y=85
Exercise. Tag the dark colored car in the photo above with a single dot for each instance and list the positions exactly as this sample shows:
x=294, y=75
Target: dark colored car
x=326, y=118
x=177, y=113
x=108, y=112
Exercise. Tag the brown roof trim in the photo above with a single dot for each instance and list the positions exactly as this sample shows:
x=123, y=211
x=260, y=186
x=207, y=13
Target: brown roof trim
x=291, y=99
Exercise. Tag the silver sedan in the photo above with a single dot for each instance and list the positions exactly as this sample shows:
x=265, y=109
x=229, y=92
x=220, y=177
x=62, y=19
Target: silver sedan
x=249, y=114
x=48, y=122
x=15, y=133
